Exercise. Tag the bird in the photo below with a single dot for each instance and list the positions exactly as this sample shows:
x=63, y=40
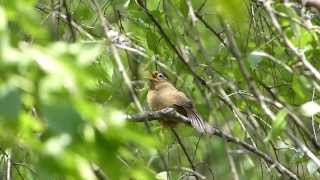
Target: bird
x=163, y=94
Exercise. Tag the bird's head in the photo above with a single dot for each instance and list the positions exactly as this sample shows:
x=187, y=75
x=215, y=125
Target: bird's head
x=156, y=78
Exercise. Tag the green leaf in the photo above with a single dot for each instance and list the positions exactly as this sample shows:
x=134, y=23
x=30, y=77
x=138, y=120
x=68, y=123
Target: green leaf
x=152, y=41
x=120, y=4
x=10, y=104
x=3, y=20
x=278, y=125
x=298, y=87
x=62, y=118
x=184, y=8
x=232, y=10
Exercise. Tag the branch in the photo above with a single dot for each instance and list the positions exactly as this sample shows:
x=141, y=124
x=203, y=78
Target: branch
x=161, y=114
x=9, y=166
x=169, y=114
x=58, y=14
x=299, y=53
x=253, y=88
x=120, y=40
x=206, y=24
x=232, y=164
x=184, y=149
x=98, y=172
x=107, y=29
x=69, y=19
x=172, y=45
x=194, y=173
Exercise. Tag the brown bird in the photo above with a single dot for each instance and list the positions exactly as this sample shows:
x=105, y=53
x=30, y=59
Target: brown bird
x=163, y=94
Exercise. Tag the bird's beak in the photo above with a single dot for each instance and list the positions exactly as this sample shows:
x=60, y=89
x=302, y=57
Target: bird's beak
x=152, y=77
x=149, y=78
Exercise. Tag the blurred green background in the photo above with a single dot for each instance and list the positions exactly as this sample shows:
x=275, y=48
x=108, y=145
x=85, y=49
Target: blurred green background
x=63, y=98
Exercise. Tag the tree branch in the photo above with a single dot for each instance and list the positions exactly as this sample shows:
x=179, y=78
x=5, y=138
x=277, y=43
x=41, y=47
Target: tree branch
x=69, y=19
x=124, y=43
x=172, y=45
x=299, y=53
x=169, y=114
x=9, y=166
x=107, y=27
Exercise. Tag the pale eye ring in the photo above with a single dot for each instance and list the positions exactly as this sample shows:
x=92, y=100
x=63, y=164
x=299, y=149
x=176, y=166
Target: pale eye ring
x=160, y=76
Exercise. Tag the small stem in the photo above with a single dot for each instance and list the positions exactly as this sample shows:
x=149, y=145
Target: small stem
x=9, y=165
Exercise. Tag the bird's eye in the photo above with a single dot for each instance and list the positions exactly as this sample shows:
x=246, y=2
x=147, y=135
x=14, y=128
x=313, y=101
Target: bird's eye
x=160, y=76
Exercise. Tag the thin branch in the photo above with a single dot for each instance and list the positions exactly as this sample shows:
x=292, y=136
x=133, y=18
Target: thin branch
x=305, y=149
x=213, y=31
x=69, y=19
x=172, y=45
x=300, y=54
x=17, y=164
x=98, y=172
x=170, y=113
x=9, y=166
x=276, y=102
x=312, y=118
x=184, y=149
x=232, y=164
x=201, y=6
x=194, y=173
x=62, y=16
x=253, y=88
x=130, y=46
x=306, y=25
x=107, y=28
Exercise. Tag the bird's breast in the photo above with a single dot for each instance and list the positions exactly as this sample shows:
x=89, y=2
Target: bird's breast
x=159, y=99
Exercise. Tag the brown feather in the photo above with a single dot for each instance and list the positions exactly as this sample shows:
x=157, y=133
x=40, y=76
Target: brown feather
x=196, y=121
x=163, y=94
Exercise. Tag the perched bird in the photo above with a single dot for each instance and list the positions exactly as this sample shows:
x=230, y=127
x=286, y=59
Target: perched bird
x=163, y=94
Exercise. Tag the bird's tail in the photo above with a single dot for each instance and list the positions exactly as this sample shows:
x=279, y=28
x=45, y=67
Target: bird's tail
x=196, y=121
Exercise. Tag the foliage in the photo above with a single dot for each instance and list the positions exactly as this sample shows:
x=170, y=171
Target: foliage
x=64, y=99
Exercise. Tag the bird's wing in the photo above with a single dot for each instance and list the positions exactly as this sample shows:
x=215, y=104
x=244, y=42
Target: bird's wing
x=185, y=107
